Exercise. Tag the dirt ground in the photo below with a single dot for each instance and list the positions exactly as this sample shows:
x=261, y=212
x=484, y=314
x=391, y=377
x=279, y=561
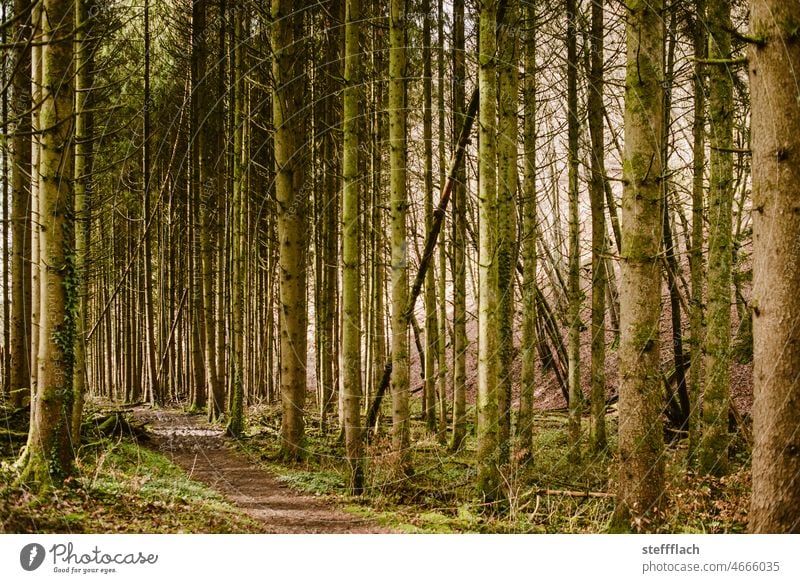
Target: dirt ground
x=211, y=458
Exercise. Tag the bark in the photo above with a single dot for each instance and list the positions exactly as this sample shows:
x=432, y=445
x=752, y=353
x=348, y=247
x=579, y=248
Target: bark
x=775, y=502
x=641, y=483
x=49, y=452
x=21, y=179
x=399, y=244
x=696, y=247
x=289, y=119
x=459, y=239
x=597, y=432
x=574, y=293
x=351, y=251
x=431, y=326
x=508, y=81
x=83, y=190
x=488, y=453
x=713, y=450
x=529, y=255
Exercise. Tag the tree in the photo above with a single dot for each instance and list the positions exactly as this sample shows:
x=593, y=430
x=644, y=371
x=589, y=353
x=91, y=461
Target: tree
x=20, y=336
x=459, y=238
x=713, y=451
x=399, y=206
x=488, y=321
x=289, y=40
x=508, y=81
x=529, y=240
x=596, y=194
x=49, y=452
x=641, y=479
x=351, y=249
x=575, y=296
x=775, y=501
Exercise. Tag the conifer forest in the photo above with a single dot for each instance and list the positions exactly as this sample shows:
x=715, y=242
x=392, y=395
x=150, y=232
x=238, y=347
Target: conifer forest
x=507, y=266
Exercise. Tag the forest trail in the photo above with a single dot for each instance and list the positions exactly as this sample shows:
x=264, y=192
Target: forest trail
x=213, y=459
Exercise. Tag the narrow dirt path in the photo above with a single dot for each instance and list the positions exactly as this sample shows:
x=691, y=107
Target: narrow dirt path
x=211, y=458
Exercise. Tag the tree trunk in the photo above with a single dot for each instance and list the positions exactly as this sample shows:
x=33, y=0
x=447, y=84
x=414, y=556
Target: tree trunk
x=597, y=433
x=21, y=179
x=488, y=321
x=459, y=239
x=508, y=81
x=528, y=234
x=641, y=481
x=713, y=450
x=49, y=449
x=399, y=207
x=289, y=104
x=775, y=502
x=574, y=293
x=351, y=250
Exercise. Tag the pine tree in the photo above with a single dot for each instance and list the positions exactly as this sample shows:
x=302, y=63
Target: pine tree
x=775, y=501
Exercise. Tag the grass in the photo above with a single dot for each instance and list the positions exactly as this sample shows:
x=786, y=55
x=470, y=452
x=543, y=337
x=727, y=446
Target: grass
x=540, y=495
x=119, y=487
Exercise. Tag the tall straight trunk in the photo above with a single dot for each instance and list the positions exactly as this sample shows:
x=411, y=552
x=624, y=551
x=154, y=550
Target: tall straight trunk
x=83, y=188
x=574, y=293
x=6, y=379
x=236, y=222
x=49, y=452
x=775, y=501
x=431, y=327
x=508, y=81
x=459, y=237
x=209, y=186
x=488, y=317
x=351, y=250
x=713, y=450
x=696, y=250
x=399, y=206
x=32, y=341
x=598, y=439
x=289, y=106
x=151, y=348
x=21, y=177
x=641, y=443
x=529, y=240
x=442, y=280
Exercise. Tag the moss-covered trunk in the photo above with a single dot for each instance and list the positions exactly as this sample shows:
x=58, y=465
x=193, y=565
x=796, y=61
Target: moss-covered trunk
x=49, y=449
x=641, y=469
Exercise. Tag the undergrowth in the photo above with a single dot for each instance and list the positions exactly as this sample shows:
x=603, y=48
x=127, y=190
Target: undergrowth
x=544, y=494
x=119, y=487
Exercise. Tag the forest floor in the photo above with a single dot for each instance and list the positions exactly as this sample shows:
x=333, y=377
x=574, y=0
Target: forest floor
x=213, y=459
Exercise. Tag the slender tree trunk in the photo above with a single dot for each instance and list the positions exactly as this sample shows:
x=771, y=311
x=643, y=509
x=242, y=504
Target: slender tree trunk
x=529, y=240
x=399, y=207
x=6, y=379
x=459, y=238
x=442, y=280
x=506, y=215
x=289, y=119
x=575, y=295
x=151, y=349
x=775, y=501
x=83, y=189
x=713, y=450
x=351, y=250
x=598, y=439
x=641, y=480
x=20, y=338
x=49, y=448
x=431, y=327
x=488, y=320
x=696, y=250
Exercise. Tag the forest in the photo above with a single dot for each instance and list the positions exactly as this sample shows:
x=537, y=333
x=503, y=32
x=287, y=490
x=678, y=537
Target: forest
x=515, y=266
